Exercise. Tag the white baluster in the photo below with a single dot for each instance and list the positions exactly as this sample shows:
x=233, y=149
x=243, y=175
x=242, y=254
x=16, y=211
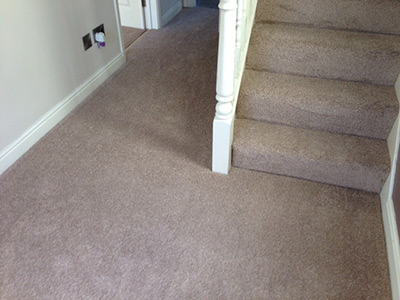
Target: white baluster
x=226, y=58
x=239, y=34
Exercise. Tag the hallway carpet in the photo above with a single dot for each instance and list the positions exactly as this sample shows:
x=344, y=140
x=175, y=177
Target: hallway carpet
x=118, y=201
x=130, y=35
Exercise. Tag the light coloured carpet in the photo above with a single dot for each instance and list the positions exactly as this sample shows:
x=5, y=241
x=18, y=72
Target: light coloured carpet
x=336, y=106
x=325, y=53
x=360, y=15
x=118, y=201
x=317, y=100
x=130, y=35
x=319, y=156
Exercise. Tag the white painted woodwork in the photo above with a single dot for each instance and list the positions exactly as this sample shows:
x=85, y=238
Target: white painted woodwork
x=388, y=212
x=132, y=13
x=235, y=24
x=147, y=15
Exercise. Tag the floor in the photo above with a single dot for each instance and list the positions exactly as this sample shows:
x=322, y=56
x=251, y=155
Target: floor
x=130, y=35
x=118, y=201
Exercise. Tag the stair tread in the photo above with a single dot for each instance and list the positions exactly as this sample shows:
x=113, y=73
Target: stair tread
x=366, y=15
x=331, y=105
x=343, y=160
x=316, y=52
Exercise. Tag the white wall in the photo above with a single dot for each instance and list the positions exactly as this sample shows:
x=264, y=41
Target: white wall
x=42, y=60
x=169, y=9
x=167, y=4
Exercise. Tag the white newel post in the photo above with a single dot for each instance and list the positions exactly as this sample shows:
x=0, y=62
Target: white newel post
x=223, y=121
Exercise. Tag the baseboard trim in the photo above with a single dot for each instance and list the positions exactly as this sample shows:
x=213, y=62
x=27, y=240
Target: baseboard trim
x=16, y=149
x=171, y=13
x=388, y=211
x=392, y=240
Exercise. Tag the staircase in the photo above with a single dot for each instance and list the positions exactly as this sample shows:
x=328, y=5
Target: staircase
x=317, y=100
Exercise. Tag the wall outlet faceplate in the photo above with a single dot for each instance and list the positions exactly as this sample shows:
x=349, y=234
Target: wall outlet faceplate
x=99, y=28
x=87, y=41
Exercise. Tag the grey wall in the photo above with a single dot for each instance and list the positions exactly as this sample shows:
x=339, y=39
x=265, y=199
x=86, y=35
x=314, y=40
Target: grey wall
x=42, y=58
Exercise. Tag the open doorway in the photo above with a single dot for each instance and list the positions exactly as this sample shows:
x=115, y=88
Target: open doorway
x=130, y=35
x=148, y=14
x=138, y=15
x=207, y=3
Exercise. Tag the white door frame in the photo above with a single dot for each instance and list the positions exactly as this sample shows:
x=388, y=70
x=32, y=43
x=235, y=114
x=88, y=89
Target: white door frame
x=152, y=14
x=118, y=17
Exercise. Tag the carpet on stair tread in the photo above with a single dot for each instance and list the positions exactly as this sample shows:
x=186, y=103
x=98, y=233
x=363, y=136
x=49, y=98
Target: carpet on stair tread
x=361, y=15
x=330, y=105
x=336, y=159
x=325, y=53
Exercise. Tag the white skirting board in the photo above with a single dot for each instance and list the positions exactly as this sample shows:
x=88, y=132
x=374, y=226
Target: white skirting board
x=388, y=213
x=392, y=240
x=56, y=114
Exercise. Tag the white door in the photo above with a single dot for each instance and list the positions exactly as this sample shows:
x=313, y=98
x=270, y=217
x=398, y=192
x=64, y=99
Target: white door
x=132, y=14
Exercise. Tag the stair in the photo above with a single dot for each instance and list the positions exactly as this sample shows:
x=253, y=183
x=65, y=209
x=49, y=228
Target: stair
x=317, y=100
x=359, y=15
x=344, y=160
x=330, y=105
x=325, y=53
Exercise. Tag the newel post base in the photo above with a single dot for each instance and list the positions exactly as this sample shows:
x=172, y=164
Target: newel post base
x=222, y=145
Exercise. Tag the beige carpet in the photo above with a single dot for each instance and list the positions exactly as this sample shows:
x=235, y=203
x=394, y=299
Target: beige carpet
x=359, y=15
x=130, y=35
x=317, y=100
x=118, y=201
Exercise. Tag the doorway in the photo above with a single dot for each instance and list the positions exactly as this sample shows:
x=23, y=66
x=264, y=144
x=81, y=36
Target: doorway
x=130, y=35
x=148, y=14
x=207, y=3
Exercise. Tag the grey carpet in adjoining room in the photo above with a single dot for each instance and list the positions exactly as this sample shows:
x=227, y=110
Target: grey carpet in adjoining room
x=118, y=201
x=130, y=35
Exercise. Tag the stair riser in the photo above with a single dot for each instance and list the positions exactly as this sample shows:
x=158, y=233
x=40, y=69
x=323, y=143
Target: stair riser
x=326, y=105
x=344, y=124
x=325, y=54
x=351, y=176
x=362, y=15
